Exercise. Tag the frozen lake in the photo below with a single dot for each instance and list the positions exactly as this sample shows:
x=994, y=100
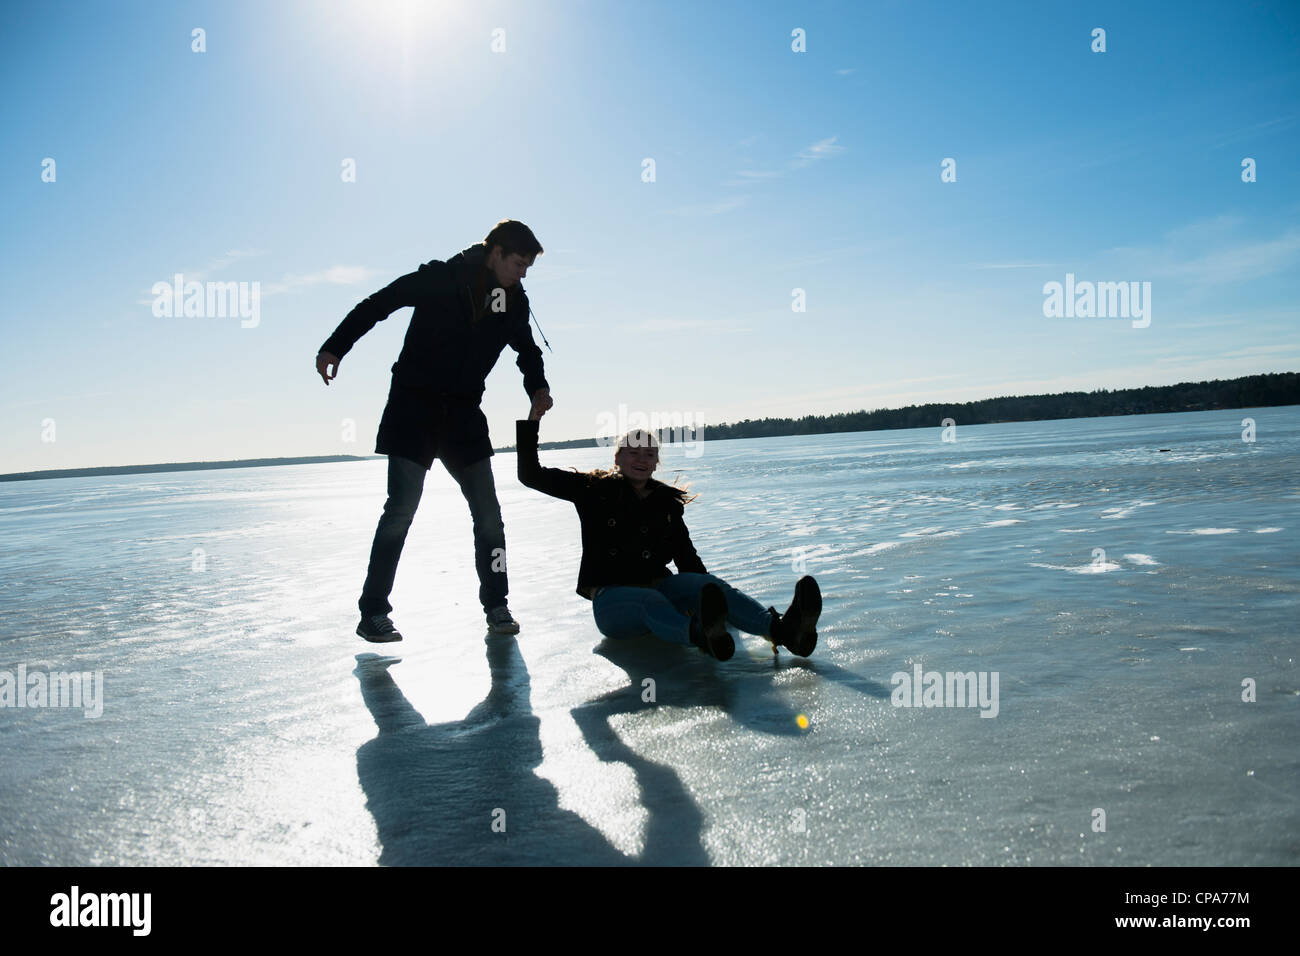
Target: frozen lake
x=1127, y=598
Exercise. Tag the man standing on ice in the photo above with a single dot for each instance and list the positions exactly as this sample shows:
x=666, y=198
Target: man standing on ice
x=467, y=310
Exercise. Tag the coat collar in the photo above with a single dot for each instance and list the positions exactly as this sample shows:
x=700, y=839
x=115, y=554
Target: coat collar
x=470, y=264
x=657, y=489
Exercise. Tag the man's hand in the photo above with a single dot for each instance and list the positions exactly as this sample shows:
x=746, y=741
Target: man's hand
x=324, y=360
x=542, y=403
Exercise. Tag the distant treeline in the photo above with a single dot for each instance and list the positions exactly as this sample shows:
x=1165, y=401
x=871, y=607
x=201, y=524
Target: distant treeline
x=173, y=466
x=1251, y=391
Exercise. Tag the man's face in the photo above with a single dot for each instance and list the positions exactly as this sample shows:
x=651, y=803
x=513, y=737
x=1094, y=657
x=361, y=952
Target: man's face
x=508, y=270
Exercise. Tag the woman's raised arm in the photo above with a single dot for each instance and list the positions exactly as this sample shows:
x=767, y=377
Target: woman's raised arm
x=555, y=482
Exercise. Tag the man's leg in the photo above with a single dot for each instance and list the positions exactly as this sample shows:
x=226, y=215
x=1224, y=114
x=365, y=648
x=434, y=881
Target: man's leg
x=480, y=492
x=405, y=485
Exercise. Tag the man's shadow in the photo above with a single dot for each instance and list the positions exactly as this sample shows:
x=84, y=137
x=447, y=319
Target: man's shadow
x=464, y=792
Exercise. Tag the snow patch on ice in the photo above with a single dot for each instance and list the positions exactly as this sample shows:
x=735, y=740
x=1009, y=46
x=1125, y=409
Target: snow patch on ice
x=874, y=549
x=1100, y=567
x=1113, y=513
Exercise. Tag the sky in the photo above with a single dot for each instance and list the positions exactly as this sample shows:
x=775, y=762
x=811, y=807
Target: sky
x=748, y=209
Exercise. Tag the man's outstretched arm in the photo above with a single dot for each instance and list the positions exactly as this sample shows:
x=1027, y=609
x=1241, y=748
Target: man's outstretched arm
x=530, y=363
x=410, y=289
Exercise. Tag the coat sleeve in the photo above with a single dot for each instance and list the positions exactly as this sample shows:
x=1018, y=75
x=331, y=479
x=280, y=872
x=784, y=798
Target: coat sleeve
x=530, y=356
x=414, y=288
x=555, y=482
x=684, y=555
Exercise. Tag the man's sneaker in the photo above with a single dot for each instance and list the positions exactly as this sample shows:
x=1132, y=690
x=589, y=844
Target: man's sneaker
x=378, y=629
x=500, y=621
x=709, y=630
x=796, y=629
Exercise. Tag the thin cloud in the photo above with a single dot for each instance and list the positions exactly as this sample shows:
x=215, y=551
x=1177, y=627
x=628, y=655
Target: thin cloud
x=1249, y=261
x=1183, y=255
x=827, y=255
x=1014, y=265
x=679, y=325
x=1252, y=132
x=710, y=209
x=59, y=398
x=234, y=255
x=863, y=393
x=571, y=326
x=1286, y=348
x=335, y=275
x=748, y=177
x=822, y=149
x=200, y=275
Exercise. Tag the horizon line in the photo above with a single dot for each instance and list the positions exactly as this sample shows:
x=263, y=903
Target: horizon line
x=217, y=464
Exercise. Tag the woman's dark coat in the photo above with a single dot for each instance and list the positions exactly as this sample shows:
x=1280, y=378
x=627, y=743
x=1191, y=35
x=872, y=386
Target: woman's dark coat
x=626, y=539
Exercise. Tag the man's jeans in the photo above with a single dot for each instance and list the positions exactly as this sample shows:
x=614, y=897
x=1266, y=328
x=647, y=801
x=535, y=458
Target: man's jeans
x=665, y=609
x=405, y=485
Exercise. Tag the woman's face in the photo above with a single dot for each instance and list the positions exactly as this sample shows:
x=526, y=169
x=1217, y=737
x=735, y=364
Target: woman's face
x=637, y=462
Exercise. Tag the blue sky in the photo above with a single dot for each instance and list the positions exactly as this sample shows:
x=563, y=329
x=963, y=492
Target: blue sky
x=775, y=170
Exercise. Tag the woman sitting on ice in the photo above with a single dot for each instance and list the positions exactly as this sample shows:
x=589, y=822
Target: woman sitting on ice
x=631, y=528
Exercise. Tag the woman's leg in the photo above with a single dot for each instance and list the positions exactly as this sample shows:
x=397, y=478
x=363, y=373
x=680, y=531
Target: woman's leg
x=743, y=612
x=623, y=612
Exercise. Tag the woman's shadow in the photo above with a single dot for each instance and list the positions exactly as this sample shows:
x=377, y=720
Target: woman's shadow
x=465, y=792
x=660, y=674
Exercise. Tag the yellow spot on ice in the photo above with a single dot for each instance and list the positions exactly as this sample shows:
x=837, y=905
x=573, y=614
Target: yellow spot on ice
x=802, y=721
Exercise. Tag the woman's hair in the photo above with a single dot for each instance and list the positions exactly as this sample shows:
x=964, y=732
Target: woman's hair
x=639, y=438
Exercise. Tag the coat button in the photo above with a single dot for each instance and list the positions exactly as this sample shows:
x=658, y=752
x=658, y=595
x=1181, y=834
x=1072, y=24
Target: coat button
x=613, y=551
x=611, y=522
x=644, y=529
x=645, y=554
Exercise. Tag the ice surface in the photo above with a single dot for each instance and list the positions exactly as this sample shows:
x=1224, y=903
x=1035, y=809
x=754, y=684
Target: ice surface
x=1122, y=596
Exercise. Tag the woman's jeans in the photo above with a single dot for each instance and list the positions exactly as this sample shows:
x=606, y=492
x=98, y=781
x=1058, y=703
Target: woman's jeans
x=662, y=610
x=405, y=485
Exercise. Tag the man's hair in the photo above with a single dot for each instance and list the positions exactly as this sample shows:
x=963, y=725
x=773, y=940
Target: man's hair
x=514, y=238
